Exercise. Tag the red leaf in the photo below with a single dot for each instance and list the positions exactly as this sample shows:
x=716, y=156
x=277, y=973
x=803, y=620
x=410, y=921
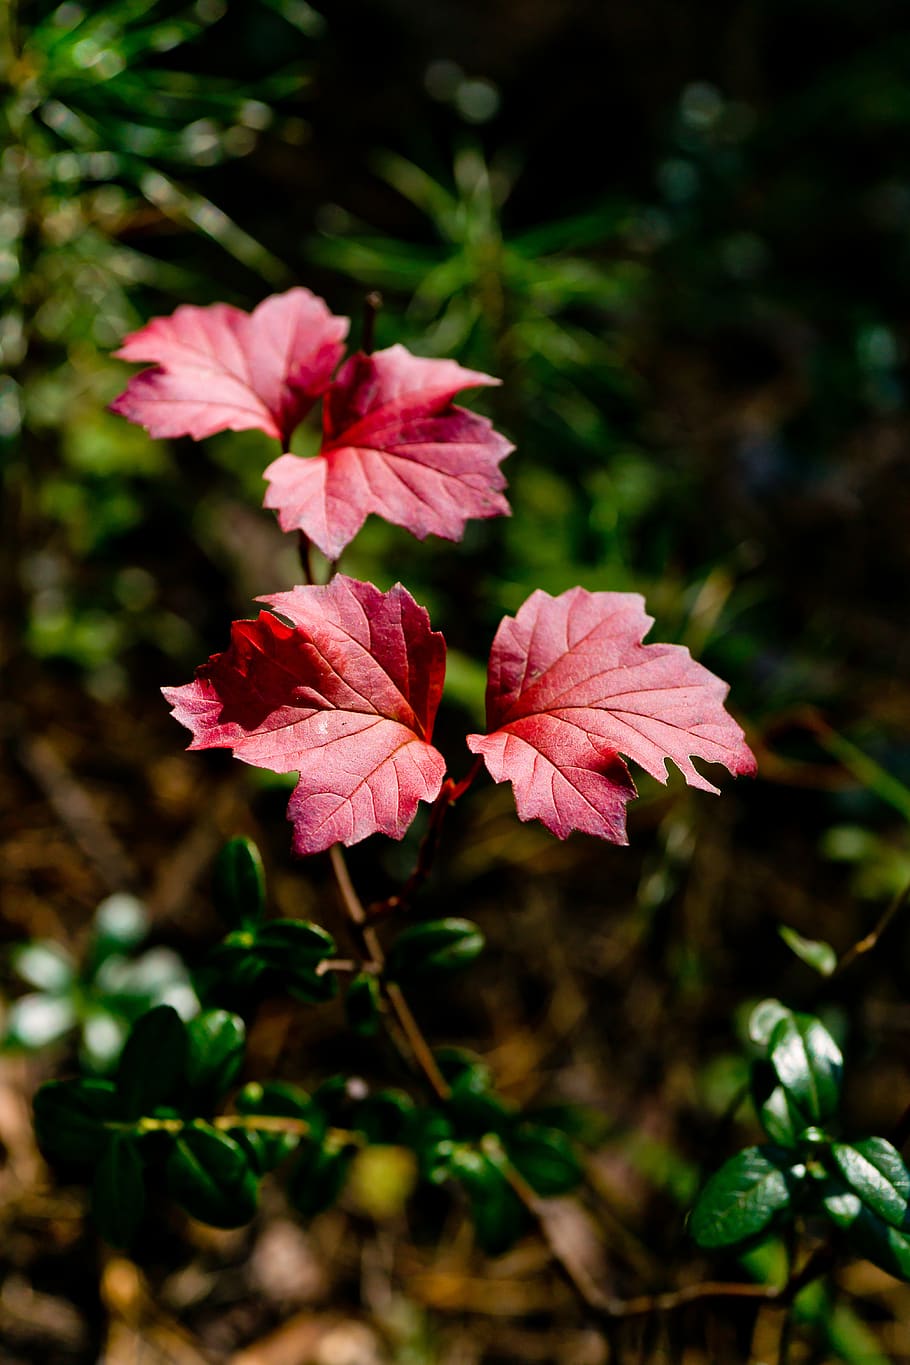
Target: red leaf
x=393, y=444
x=220, y=369
x=571, y=687
x=346, y=696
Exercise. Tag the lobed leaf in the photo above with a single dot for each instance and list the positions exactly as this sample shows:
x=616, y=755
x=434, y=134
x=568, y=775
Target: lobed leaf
x=571, y=688
x=393, y=444
x=220, y=369
x=346, y=696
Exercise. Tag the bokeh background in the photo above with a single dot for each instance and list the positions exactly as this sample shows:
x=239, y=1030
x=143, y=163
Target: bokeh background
x=681, y=236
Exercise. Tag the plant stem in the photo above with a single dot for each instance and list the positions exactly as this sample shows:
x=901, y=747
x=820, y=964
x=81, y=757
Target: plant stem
x=607, y=1309
x=866, y=944
x=371, y=306
x=429, y=847
x=373, y=957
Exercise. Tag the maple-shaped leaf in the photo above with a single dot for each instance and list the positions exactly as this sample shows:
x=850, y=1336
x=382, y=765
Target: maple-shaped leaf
x=393, y=444
x=220, y=369
x=345, y=695
x=571, y=688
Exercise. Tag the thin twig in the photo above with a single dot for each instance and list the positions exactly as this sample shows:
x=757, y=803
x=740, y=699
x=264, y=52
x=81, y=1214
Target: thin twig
x=371, y=306
x=429, y=847
x=373, y=957
x=866, y=944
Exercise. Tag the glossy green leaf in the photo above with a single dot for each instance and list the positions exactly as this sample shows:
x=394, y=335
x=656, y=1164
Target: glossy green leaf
x=474, y=1107
x=744, y=1197
x=210, y=1175
x=215, y=1052
x=866, y=1234
x=778, y=1114
x=385, y=1117
x=152, y=1063
x=276, y=1099
x=312, y=987
x=809, y=1064
x=874, y=1170
x=70, y=1118
x=239, y=882
x=497, y=1213
x=764, y=1019
x=545, y=1157
x=118, y=1191
x=426, y=950
x=818, y=955
x=361, y=1004
x=291, y=944
x=318, y=1178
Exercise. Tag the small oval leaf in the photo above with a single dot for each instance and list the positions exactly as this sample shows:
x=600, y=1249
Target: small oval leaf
x=816, y=954
x=118, y=1192
x=545, y=1157
x=152, y=1062
x=361, y=1004
x=70, y=1118
x=808, y=1063
x=430, y=949
x=873, y=1169
x=239, y=882
x=743, y=1198
x=865, y=1233
x=215, y=1050
x=211, y=1177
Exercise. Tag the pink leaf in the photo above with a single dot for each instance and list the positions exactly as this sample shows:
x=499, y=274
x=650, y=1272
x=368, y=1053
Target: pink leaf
x=220, y=369
x=395, y=445
x=346, y=696
x=571, y=687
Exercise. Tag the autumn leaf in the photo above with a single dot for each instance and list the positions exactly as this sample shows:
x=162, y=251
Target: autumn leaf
x=345, y=695
x=395, y=445
x=571, y=688
x=220, y=369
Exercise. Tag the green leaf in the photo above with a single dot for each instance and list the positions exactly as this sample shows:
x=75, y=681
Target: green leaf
x=778, y=1114
x=867, y=1234
x=474, y=1107
x=70, y=1118
x=545, y=1157
x=496, y=1211
x=318, y=1178
x=239, y=882
x=214, y=1056
x=118, y=1191
x=873, y=1169
x=361, y=1004
x=744, y=1197
x=152, y=1063
x=764, y=1019
x=35, y=1021
x=275, y=1097
x=312, y=987
x=816, y=954
x=44, y=965
x=384, y=1117
x=280, y=1100
x=808, y=1063
x=210, y=1175
x=120, y=924
x=293, y=944
x=431, y=949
